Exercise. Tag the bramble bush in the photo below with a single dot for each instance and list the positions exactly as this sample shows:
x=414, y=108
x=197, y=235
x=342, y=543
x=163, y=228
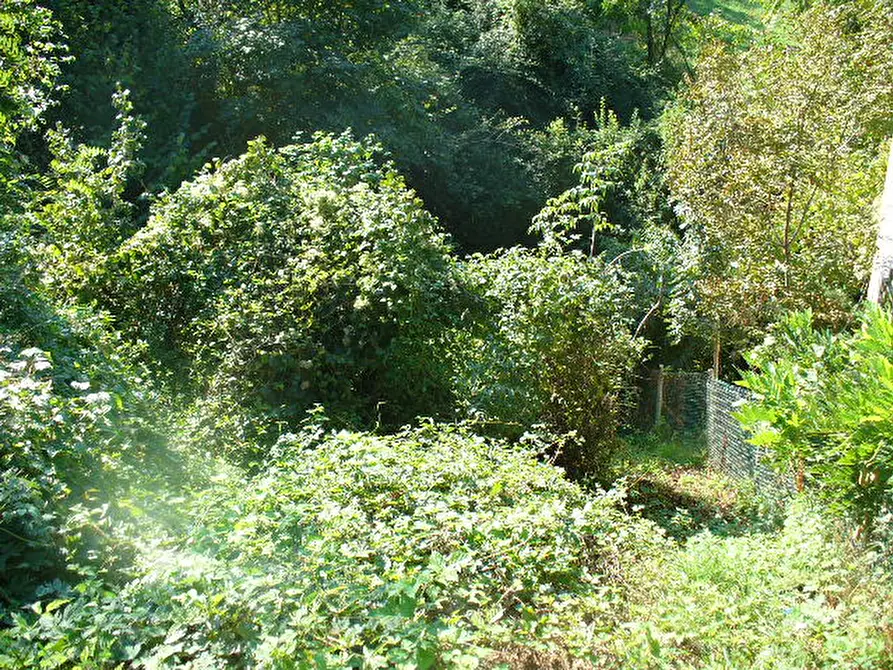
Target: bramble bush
x=55, y=447
x=30, y=58
x=555, y=346
x=74, y=432
x=292, y=276
x=433, y=547
x=81, y=215
x=437, y=547
x=311, y=274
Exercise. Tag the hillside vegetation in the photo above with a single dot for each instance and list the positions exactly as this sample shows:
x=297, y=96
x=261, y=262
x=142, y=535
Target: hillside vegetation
x=323, y=325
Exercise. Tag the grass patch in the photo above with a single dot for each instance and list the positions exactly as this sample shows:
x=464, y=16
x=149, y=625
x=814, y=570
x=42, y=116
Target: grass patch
x=748, y=582
x=738, y=12
x=668, y=482
x=797, y=597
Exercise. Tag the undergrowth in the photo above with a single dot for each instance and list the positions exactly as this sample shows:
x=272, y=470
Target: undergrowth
x=667, y=480
x=430, y=548
x=753, y=579
x=799, y=597
x=436, y=547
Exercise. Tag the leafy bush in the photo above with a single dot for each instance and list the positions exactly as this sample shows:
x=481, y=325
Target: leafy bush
x=431, y=547
x=619, y=209
x=292, y=276
x=138, y=47
x=824, y=409
x=63, y=430
x=555, y=346
x=620, y=192
x=73, y=421
x=436, y=547
x=46, y=453
x=449, y=88
x=81, y=215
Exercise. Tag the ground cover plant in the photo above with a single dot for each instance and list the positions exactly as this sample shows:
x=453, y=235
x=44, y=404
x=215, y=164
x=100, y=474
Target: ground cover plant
x=438, y=547
x=753, y=578
x=431, y=547
x=794, y=598
x=261, y=408
x=666, y=480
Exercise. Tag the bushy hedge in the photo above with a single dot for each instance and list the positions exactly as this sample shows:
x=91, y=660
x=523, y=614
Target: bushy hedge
x=292, y=276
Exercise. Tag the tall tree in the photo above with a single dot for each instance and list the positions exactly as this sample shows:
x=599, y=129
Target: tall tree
x=774, y=163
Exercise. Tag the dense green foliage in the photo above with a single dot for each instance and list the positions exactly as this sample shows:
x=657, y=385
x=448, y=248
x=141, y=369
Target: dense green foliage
x=795, y=598
x=29, y=65
x=81, y=214
x=137, y=46
x=289, y=277
x=74, y=430
x=620, y=191
x=430, y=547
x=311, y=274
x=824, y=409
x=773, y=157
x=457, y=92
x=556, y=348
x=213, y=380
x=756, y=581
x=61, y=437
x=436, y=547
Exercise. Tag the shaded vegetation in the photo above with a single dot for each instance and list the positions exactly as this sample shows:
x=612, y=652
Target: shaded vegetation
x=260, y=408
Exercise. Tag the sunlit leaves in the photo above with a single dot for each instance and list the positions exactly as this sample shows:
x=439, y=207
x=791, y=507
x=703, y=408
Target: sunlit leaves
x=555, y=346
x=824, y=408
x=292, y=276
x=774, y=163
x=30, y=55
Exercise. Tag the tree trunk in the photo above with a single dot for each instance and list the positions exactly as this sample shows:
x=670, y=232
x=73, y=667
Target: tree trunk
x=879, y=287
x=659, y=400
